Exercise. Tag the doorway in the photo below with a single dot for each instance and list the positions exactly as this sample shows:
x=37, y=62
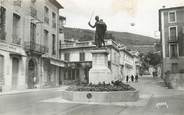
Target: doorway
x=32, y=76
x=15, y=72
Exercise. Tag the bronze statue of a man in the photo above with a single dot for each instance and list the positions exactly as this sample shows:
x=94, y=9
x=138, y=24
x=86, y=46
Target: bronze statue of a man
x=100, y=31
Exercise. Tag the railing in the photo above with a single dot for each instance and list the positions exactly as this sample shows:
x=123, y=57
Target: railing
x=173, y=41
x=33, y=12
x=86, y=44
x=32, y=46
x=16, y=39
x=82, y=44
x=79, y=44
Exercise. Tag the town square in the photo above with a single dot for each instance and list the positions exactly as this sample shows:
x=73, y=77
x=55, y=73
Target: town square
x=100, y=57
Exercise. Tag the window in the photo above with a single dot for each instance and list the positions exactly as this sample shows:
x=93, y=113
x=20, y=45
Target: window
x=82, y=56
x=174, y=67
x=53, y=20
x=173, y=51
x=67, y=57
x=16, y=29
x=73, y=74
x=173, y=33
x=53, y=44
x=2, y=23
x=33, y=32
x=46, y=15
x=172, y=16
x=46, y=38
x=69, y=75
x=60, y=43
x=33, y=12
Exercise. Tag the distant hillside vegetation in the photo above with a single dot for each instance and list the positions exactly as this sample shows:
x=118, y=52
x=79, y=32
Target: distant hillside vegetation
x=133, y=39
x=125, y=38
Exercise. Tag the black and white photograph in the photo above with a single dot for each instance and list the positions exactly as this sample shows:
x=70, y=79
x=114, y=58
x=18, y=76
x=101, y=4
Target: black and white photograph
x=91, y=57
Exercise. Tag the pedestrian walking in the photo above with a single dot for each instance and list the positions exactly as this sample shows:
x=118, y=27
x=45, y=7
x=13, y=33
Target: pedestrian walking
x=132, y=78
x=127, y=77
x=136, y=78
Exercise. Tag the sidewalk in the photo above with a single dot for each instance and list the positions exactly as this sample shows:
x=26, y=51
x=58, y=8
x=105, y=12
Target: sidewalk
x=13, y=92
x=170, y=100
x=149, y=86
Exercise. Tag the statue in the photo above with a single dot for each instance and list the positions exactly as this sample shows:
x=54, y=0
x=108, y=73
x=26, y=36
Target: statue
x=100, y=31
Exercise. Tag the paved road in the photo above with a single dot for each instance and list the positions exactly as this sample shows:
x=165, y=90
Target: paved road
x=31, y=103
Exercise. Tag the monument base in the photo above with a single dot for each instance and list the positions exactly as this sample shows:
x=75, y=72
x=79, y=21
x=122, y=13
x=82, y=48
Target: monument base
x=100, y=72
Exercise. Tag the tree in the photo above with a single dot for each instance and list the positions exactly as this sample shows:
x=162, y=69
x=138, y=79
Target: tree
x=148, y=59
x=153, y=58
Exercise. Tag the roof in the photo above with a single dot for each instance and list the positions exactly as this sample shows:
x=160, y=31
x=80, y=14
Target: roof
x=56, y=3
x=171, y=8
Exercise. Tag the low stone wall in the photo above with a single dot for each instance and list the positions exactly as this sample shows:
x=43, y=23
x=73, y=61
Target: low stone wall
x=176, y=80
x=114, y=96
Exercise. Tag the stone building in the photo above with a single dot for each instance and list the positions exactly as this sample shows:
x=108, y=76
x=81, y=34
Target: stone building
x=79, y=60
x=129, y=62
x=29, y=44
x=171, y=26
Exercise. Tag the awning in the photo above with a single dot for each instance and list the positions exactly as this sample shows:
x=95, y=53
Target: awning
x=17, y=55
x=128, y=66
x=59, y=63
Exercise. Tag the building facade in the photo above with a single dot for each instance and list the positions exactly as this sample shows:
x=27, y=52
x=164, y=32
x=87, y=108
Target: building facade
x=78, y=57
x=29, y=44
x=171, y=26
x=129, y=63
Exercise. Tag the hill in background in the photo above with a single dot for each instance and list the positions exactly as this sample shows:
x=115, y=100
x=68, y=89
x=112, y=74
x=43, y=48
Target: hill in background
x=134, y=41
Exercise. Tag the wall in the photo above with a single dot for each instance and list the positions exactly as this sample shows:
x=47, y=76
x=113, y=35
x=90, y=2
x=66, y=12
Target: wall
x=167, y=61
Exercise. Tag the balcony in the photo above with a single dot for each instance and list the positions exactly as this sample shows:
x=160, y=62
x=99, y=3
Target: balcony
x=173, y=41
x=33, y=12
x=36, y=48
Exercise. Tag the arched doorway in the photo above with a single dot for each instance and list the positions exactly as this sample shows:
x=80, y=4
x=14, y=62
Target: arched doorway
x=32, y=74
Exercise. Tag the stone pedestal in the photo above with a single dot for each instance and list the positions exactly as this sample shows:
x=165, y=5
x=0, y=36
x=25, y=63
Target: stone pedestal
x=100, y=71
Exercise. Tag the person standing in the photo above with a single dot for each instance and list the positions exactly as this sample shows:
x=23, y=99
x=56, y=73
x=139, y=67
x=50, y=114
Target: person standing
x=136, y=78
x=132, y=78
x=127, y=78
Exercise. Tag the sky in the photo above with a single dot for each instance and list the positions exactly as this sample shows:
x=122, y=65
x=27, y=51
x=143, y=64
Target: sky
x=135, y=16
